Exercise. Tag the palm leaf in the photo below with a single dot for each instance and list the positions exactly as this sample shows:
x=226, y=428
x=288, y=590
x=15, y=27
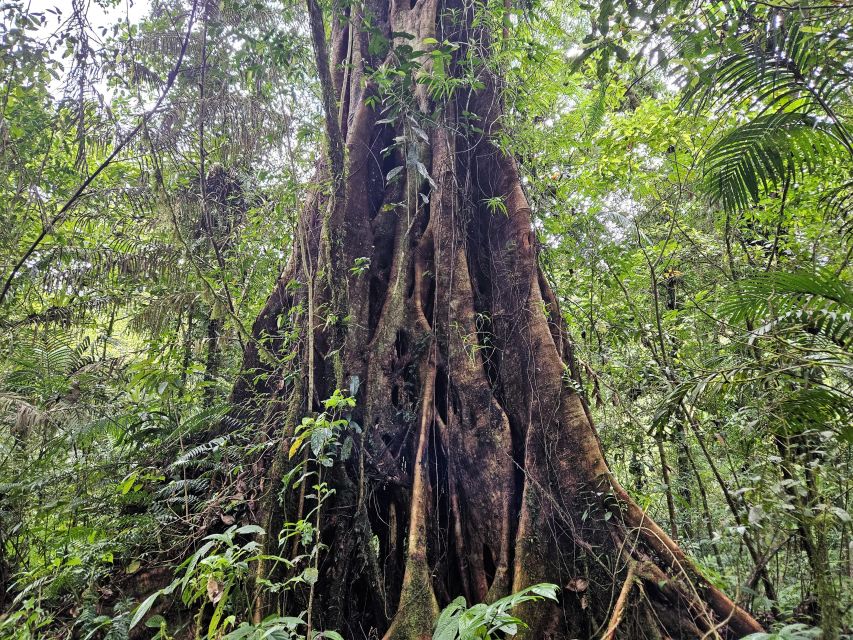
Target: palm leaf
x=817, y=407
x=794, y=77
x=839, y=203
x=829, y=324
x=786, y=67
x=788, y=295
x=762, y=153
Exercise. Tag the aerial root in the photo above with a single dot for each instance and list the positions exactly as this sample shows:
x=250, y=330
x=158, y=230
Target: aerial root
x=654, y=538
x=418, y=607
x=619, y=608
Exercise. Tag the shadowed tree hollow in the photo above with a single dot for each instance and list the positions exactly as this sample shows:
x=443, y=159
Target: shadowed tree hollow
x=414, y=281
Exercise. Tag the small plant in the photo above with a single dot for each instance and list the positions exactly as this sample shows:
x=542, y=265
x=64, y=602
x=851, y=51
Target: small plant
x=484, y=621
x=323, y=433
x=210, y=574
x=788, y=632
x=496, y=205
x=26, y=622
x=360, y=266
x=220, y=568
x=277, y=628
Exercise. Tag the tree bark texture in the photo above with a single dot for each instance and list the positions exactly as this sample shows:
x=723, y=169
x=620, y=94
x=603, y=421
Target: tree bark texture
x=479, y=471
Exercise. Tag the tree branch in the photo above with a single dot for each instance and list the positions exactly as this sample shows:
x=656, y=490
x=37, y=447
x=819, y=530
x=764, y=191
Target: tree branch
x=327, y=89
x=118, y=148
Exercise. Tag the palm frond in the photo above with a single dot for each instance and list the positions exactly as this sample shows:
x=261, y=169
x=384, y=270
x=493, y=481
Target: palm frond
x=839, y=204
x=792, y=78
x=134, y=259
x=817, y=407
x=153, y=317
x=788, y=66
x=796, y=404
x=762, y=153
x=797, y=295
x=76, y=311
x=794, y=305
x=832, y=325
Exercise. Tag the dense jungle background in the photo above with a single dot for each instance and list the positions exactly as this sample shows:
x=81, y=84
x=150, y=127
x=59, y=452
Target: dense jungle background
x=666, y=187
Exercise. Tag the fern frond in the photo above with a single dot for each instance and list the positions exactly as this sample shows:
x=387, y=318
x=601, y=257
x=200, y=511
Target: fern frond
x=596, y=111
x=197, y=423
x=197, y=452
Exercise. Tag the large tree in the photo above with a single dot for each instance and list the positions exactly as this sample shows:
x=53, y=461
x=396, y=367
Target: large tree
x=414, y=281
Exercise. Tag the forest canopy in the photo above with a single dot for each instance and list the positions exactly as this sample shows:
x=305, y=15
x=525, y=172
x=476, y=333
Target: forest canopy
x=412, y=319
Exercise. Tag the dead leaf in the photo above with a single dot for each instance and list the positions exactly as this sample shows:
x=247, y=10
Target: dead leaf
x=577, y=584
x=214, y=589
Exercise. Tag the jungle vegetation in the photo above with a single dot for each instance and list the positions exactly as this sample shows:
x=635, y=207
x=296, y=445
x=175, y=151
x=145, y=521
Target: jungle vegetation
x=411, y=319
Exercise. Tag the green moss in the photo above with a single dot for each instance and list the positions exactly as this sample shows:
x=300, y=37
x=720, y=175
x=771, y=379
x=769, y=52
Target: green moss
x=418, y=608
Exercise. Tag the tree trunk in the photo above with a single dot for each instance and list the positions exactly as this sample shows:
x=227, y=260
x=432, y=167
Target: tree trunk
x=479, y=471
x=211, y=363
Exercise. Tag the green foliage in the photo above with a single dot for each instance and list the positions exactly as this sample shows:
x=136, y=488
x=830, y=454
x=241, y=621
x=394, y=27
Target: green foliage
x=210, y=574
x=791, y=77
x=27, y=622
x=689, y=175
x=488, y=621
x=712, y=333
x=765, y=153
x=788, y=632
x=790, y=65
x=277, y=627
x=792, y=314
x=218, y=574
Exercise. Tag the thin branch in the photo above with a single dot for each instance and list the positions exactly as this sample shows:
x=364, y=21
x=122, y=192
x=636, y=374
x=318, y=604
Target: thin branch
x=46, y=229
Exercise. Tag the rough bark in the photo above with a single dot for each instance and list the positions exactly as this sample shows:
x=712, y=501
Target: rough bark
x=480, y=471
